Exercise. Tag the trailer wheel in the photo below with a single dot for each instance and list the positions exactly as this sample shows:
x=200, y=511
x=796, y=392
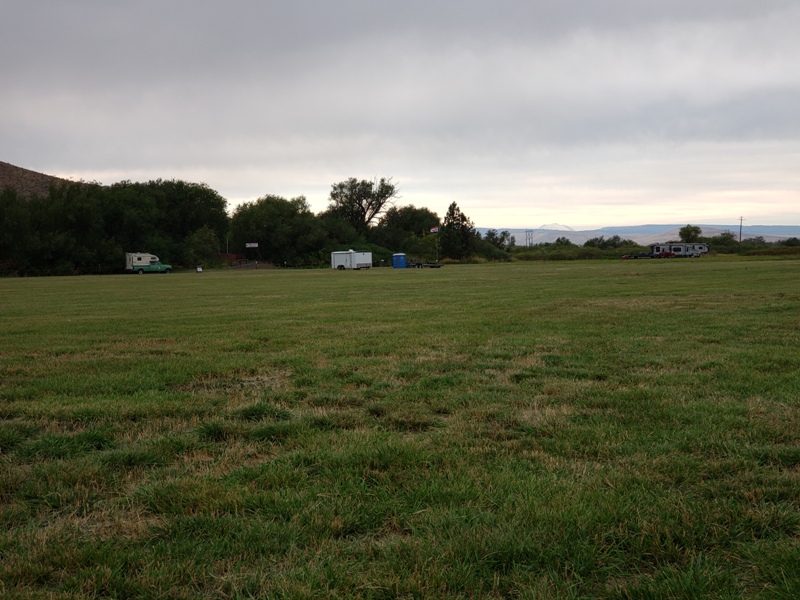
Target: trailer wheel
x=140, y=271
x=340, y=267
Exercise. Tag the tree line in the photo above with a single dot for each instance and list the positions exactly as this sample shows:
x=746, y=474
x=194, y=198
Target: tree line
x=83, y=227
x=613, y=247
x=86, y=228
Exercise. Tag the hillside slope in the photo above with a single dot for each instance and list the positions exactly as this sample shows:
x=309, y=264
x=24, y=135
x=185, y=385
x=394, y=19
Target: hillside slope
x=26, y=182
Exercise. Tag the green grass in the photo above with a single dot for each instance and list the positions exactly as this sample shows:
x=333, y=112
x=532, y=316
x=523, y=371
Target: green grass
x=617, y=429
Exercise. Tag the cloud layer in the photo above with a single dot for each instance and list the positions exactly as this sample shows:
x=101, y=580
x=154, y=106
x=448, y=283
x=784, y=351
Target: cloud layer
x=588, y=113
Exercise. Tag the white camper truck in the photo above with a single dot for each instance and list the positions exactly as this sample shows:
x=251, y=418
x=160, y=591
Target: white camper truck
x=350, y=259
x=142, y=262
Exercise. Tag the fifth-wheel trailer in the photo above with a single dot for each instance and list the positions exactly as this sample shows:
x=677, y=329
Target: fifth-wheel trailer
x=678, y=250
x=350, y=259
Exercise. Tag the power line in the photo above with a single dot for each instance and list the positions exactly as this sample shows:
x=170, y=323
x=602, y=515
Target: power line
x=529, y=237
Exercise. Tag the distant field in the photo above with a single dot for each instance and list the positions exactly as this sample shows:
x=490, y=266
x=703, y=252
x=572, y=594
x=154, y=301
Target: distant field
x=622, y=429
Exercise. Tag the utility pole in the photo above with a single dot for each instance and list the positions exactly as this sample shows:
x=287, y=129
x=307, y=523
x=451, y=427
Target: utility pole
x=740, y=229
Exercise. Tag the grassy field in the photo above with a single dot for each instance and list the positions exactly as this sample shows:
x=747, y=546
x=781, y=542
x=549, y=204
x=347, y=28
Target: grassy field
x=623, y=429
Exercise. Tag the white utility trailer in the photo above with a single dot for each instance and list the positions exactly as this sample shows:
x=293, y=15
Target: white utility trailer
x=350, y=259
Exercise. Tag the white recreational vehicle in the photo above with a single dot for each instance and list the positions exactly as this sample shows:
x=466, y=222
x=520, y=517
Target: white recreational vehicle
x=686, y=250
x=350, y=259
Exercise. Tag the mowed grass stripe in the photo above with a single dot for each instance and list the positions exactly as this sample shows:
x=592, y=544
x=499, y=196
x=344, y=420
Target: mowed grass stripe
x=625, y=429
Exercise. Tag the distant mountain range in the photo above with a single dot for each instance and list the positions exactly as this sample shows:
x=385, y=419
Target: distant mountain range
x=644, y=234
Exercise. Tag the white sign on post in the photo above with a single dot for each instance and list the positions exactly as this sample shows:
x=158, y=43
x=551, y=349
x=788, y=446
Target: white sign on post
x=251, y=245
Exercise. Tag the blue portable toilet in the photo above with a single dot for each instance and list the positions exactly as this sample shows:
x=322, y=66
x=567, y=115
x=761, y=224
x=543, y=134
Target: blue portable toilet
x=399, y=261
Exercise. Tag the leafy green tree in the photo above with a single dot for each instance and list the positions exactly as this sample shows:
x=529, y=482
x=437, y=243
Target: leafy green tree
x=457, y=234
x=338, y=232
x=158, y=216
x=502, y=240
x=410, y=219
x=287, y=232
x=360, y=202
x=202, y=246
x=134, y=216
x=754, y=243
x=15, y=232
x=65, y=230
x=489, y=251
x=189, y=207
x=424, y=247
x=401, y=228
x=726, y=243
x=690, y=233
x=82, y=224
x=613, y=242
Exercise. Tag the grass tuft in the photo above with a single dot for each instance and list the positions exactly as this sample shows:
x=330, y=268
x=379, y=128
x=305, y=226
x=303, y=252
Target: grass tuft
x=262, y=412
x=215, y=431
x=13, y=434
x=276, y=432
x=58, y=446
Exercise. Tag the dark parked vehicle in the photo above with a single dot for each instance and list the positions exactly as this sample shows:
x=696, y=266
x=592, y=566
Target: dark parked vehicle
x=639, y=255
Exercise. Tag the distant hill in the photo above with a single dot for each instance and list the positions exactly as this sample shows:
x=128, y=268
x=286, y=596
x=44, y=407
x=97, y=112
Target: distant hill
x=27, y=183
x=556, y=227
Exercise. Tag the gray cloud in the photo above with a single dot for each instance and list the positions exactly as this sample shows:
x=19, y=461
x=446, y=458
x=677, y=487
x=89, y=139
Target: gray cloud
x=511, y=106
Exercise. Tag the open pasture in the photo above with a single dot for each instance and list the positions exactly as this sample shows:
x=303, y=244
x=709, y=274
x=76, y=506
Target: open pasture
x=607, y=429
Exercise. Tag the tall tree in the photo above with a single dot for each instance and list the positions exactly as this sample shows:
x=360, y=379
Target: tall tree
x=502, y=240
x=690, y=233
x=359, y=203
x=287, y=232
x=457, y=233
x=401, y=228
x=158, y=216
x=15, y=231
x=202, y=246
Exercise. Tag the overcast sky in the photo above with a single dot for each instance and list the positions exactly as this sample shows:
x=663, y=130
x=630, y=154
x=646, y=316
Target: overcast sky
x=524, y=112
